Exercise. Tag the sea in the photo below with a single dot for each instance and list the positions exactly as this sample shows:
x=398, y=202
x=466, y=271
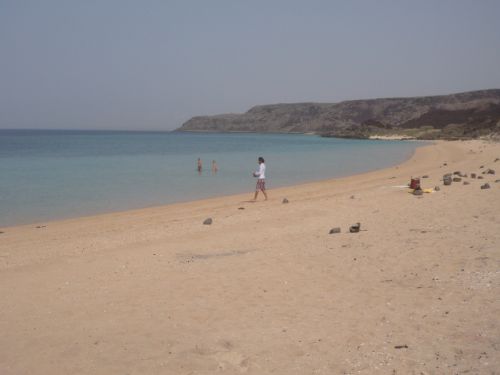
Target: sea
x=58, y=174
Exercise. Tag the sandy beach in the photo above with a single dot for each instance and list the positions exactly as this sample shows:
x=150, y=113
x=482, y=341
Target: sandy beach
x=266, y=289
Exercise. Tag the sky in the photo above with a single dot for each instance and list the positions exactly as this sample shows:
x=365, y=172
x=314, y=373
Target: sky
x=151, y=65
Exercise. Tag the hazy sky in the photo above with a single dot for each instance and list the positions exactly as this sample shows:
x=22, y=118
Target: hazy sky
x=104, y=64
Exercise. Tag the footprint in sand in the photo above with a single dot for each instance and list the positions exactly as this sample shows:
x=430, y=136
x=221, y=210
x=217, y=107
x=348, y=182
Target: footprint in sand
x=229, y=360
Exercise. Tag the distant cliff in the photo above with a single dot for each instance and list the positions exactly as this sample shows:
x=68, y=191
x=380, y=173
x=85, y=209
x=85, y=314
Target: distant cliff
x=457, y=116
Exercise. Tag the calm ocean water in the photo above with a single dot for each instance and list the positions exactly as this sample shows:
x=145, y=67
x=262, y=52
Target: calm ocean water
x=47, y=175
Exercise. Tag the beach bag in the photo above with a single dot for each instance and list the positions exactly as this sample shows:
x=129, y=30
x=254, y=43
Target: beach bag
x=415, y=183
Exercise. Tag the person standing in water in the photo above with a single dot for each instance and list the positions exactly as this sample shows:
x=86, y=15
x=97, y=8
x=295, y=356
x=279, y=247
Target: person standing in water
x=200, y=166
x=215, y=168
x=261, y=179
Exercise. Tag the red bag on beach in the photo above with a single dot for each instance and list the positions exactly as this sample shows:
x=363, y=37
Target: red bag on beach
x=415, y=183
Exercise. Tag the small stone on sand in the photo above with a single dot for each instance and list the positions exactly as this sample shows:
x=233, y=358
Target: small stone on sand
x=355, y=228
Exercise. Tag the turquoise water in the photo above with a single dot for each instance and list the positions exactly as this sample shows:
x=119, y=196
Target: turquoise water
x=46, y=175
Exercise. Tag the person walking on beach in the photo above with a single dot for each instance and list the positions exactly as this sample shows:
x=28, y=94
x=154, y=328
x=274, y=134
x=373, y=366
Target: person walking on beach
x=215, y=168
x=261, y=179
x=200, y=166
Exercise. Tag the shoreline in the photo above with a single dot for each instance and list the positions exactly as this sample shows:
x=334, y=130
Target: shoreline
x=265, y=288
x=36, y=222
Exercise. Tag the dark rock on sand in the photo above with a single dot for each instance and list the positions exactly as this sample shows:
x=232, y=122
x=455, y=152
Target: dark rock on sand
x=457, y=179
x=437, y=188
x=485, y=186
x=418, y=192
x=335, y=230
x=355, y=228
x=447, y=179
x=458, y=173
x=425, y=176
x=480, y=177
x=490, y=171
x=284, y=200
x=208, y=221
x=472, y=175
x=466, y=183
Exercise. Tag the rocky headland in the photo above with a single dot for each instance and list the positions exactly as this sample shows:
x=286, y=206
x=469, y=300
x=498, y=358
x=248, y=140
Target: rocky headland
x=465, y=115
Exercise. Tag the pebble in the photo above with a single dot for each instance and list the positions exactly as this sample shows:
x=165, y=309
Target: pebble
x=485, y=186
x=472, y=175
x=208, y=221
x=335, y=230
x=447, y=179
x=457, y=179
x=355, y=228
x=437, y=188
x=285, y=200
x=466, y=183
